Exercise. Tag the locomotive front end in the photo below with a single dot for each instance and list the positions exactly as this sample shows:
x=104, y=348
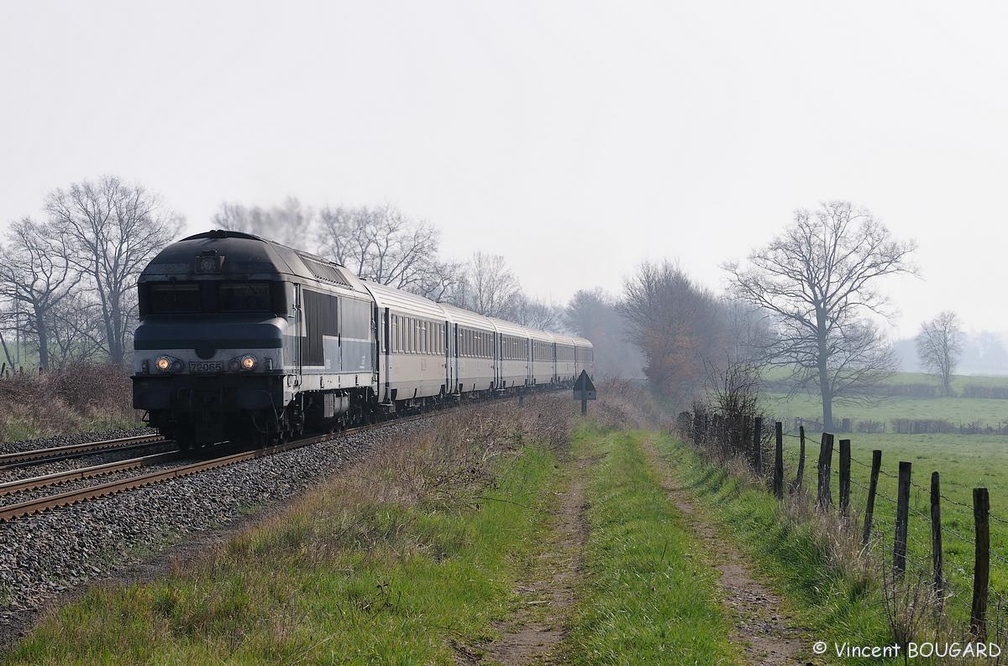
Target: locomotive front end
x=210, y=348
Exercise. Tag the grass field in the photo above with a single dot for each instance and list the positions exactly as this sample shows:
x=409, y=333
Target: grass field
x=964, y=462
x=955, y=410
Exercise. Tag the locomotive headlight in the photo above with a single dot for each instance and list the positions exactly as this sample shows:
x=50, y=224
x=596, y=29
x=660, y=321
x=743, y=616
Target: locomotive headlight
x=248, y=362
x=168, y=364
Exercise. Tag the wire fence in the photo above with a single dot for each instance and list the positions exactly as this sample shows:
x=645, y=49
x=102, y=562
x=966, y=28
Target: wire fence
x=920, y=529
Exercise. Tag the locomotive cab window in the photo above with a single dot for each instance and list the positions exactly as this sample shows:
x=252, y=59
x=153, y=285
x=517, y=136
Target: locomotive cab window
x=174, y=297
x=243, y=297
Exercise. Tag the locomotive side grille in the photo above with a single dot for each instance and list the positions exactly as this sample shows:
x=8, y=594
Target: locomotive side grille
x=325, y=272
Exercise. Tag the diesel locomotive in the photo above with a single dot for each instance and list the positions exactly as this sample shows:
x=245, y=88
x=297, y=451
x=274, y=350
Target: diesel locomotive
x=241, y=337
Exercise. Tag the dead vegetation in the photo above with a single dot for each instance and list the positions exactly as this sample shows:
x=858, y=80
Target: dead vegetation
x=76, y=397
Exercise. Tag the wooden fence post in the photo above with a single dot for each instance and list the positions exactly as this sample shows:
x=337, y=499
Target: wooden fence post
x=845, y=479
x=778, y=468
x=876, y=465
x=757, y=450
x=797, y=485
x=902, y=518
x=824, y=497
x=936, y=539
x=981, y=565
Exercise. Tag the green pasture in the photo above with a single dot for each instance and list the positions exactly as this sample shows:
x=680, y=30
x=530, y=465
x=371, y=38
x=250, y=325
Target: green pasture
x=964, y=462
x=985, y=411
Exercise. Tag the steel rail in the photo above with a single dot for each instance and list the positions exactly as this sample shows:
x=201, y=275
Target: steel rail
x=29, y=507
x=9, y=460
x=57, y=478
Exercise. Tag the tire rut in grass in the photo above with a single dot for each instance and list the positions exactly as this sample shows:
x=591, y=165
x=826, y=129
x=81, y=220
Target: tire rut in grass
x=538, y=625
x=765, y=634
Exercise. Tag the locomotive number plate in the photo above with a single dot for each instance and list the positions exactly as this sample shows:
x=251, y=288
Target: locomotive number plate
x=205, y=366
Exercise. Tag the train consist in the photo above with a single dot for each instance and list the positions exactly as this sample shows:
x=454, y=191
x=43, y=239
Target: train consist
x=243, y=337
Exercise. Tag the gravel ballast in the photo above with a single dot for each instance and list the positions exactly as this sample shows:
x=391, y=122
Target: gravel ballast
x=45, y=556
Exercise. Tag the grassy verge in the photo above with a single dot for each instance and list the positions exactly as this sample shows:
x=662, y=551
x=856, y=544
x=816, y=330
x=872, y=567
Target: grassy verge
x=839, y=601
x=647, y=597
x=399, y=558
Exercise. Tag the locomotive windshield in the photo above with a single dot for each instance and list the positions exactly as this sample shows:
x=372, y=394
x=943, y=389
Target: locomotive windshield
x=172, y=297
x=243, y=297
x=212, y=297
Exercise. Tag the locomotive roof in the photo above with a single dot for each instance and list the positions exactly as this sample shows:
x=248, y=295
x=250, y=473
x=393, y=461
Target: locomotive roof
x=247, y=255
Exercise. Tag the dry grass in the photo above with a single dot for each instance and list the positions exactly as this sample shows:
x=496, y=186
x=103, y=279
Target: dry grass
x=447, y=467
x=82, y=396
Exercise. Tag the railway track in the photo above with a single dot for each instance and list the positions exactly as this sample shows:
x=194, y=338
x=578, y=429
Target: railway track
x=53, y=454
x=58, y=478
x=68, y=498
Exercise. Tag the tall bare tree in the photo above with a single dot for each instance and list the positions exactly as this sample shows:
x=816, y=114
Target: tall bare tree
x=35, y=270
x=112, y=230
x=939, y=346
x=384, y=245
x=489, y=287
x=537, y=314
x=817, y=282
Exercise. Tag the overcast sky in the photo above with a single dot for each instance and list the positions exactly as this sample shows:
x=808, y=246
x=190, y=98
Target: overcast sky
x=574, y=138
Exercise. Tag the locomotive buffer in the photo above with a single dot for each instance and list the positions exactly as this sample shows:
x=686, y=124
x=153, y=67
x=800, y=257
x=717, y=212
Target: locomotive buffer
x=584, y=390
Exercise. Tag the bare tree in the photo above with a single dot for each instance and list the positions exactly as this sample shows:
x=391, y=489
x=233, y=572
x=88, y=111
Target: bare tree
x=35, y=270
x=816, y=282
x=939, y=346
x=291, y=223
x=440, y=281
x=678, y=325
x=384, y=245
x=537, y=314
x=112, y=229
x=488, y=287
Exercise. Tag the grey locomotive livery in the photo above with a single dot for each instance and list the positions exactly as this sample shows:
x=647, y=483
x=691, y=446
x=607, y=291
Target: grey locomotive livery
x=241, y=337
